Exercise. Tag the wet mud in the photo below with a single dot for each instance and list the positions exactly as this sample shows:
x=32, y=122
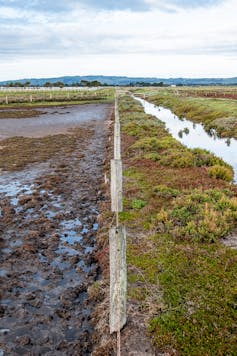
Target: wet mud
x=48, y=227
x=50, y=121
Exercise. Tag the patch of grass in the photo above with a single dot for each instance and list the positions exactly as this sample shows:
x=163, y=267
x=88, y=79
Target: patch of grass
x=201, y=298
x=164, y=191
x=179, y=274
x=138, y=203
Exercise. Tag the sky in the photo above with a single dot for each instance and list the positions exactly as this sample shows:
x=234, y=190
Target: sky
x=146, y=38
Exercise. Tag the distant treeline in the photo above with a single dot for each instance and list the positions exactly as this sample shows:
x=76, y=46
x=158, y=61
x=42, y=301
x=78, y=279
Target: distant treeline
x=96, y=83
x=82, y=83
x=27, y=84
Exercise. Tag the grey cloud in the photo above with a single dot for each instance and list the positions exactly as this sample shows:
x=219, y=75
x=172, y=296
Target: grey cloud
x=18, y=42
x=194, y=3
x=39, y=5
x=62, y=6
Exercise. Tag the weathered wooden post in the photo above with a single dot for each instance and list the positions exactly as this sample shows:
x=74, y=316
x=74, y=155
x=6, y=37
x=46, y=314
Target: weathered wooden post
x=117, y=242
x=116, y=186
x=31, y=98
x=117, y=146
x=118, y=278
x=6, y=99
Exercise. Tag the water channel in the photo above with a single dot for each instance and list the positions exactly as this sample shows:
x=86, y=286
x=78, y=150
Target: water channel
x=194, y=135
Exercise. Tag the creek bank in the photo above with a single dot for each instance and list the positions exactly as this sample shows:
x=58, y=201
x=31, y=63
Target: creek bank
x=193, y=135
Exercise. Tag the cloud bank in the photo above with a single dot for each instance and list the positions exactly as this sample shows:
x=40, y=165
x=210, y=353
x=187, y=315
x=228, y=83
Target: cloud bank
x=73, y=31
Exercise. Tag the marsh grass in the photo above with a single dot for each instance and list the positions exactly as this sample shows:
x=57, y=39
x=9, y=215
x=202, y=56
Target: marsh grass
x=180, y=275
x=214, y=113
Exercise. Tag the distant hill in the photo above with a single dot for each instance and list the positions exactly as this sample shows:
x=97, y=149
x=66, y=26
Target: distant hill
x=117, y=80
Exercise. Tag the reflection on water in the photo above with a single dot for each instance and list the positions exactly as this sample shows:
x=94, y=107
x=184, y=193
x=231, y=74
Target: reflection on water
x=193, y=135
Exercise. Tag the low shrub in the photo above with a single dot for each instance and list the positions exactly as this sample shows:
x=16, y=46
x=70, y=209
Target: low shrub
x=200, y=216
x=181, y=158
x=220, y=172
x=154, y=143
x=138, y=204
x=164, y=191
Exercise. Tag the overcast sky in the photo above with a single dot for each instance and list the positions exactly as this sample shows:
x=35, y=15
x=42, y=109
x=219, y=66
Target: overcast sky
x=158, y=38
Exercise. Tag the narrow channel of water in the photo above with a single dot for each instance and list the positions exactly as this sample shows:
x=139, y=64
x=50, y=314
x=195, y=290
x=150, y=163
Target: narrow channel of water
x=193, y=135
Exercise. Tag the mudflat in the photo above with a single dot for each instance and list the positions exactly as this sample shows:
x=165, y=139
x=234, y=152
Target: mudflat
x=48, y=226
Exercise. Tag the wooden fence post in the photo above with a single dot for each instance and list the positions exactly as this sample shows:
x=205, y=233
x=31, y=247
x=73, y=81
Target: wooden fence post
x=116, y=186
x=117, y=241
x=118, y=278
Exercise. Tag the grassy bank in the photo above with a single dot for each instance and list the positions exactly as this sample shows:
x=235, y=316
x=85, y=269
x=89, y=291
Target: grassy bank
x=54, y=98
x=176, y=211
x=217, y=113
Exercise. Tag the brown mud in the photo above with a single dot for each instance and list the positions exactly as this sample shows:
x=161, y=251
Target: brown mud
x=48, y=227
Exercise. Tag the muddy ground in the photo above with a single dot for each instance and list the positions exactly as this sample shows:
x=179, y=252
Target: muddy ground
x=48, y=225
x=46, y=121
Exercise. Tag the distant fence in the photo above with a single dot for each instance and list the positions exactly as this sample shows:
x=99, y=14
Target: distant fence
x=23, y=95
x=25, y=89
x=117, y=241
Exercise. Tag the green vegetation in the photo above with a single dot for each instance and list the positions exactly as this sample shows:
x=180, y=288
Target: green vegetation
x=215, y=113
x=179, y=273
x=138, y=204
x=38, y=98
x=221, y=172
x=199, y=215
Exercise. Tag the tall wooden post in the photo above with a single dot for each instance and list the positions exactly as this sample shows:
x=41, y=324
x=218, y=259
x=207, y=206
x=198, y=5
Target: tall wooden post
x=117, y=241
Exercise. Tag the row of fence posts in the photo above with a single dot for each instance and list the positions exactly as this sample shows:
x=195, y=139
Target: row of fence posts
x=117, y=241
x=7, y=99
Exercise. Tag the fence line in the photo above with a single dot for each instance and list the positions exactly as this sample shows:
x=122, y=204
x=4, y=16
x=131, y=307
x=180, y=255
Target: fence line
x=117, y=241
x=29, y=89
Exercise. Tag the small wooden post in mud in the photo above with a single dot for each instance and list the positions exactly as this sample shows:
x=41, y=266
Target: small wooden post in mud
x=117, y=242
x=6, y=99
x=31, y=98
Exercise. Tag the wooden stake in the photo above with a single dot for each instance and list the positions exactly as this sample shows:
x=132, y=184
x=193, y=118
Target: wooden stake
x=118, y=278
x=116, y=185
